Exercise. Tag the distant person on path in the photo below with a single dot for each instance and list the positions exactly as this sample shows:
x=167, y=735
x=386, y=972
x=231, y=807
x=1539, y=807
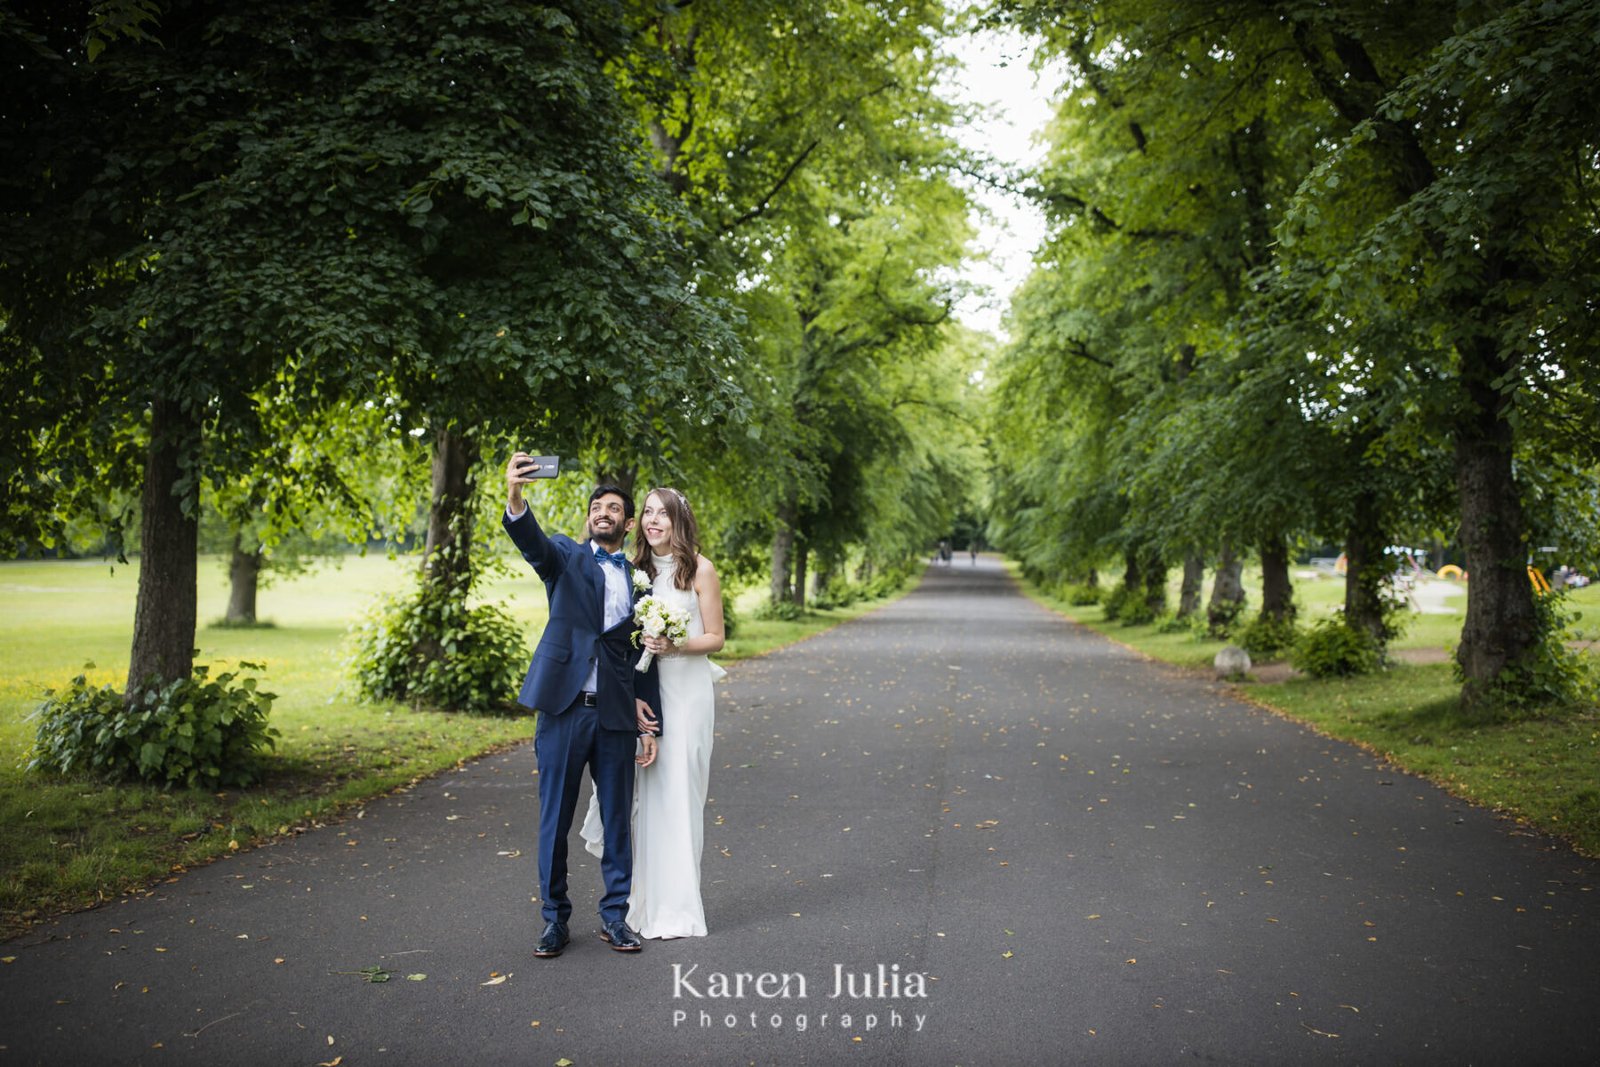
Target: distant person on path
x=669, y=814
x=595, y=710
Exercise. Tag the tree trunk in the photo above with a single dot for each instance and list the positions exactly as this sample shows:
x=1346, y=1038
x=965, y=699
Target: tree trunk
x=669, y=148
x=1132, y=576
x=624, y=478
x=1501, y=624
x=669, y=145
x=1194, y=576
x=1227, y=592
x=822, y=577
x=1155, y=583
x=782, y=548
x=802, y=555
x=1364, y=570
x=1277, y=594
x=446, y=556
x=169, y=531
x=244, y=577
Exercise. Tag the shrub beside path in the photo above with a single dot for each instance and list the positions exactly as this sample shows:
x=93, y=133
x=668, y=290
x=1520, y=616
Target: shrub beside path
x=1026, y=843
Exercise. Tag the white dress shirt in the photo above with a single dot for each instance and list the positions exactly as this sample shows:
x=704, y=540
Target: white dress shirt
x=618, y=605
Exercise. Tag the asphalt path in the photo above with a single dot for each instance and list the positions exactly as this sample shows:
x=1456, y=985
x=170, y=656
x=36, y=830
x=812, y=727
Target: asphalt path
x=1006, y=839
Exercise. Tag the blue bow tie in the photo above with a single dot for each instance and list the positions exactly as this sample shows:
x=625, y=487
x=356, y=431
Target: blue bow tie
x=619, y=558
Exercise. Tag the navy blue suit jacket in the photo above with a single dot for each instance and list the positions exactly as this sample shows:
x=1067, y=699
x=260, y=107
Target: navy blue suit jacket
x=575, y=638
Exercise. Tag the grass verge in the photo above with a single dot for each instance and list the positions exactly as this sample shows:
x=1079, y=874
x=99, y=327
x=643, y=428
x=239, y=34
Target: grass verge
x=71, y=844
x=1543, y=770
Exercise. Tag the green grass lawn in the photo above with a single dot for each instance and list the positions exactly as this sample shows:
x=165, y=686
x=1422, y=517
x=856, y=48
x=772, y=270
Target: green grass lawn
x=1543, y=769
x=65, y=845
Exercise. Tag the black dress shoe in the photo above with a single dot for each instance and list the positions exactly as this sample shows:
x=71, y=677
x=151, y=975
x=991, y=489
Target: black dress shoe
x=552, y=941
x=620, y=937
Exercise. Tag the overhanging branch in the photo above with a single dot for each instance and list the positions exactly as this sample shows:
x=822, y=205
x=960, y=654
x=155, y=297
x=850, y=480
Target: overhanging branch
x=794, y=165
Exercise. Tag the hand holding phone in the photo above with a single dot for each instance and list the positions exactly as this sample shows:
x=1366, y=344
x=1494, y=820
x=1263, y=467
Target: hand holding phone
x=525, y=468
x=547, y=466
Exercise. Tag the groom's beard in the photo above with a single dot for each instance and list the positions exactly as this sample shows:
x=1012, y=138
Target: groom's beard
x=611, y=542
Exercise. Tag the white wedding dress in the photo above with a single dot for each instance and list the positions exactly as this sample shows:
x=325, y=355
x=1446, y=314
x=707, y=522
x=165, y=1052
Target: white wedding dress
x=669, y=796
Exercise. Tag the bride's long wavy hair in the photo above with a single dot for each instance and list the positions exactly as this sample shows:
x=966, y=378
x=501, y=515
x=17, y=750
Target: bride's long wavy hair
x=683, y=544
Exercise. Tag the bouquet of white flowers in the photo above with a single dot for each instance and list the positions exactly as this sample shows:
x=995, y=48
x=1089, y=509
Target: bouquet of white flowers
x=657, y=618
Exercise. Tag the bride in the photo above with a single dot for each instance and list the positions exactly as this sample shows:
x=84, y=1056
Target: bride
x=670, y=797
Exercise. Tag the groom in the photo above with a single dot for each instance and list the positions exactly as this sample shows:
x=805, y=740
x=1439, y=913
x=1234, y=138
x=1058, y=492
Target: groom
x=594, y=708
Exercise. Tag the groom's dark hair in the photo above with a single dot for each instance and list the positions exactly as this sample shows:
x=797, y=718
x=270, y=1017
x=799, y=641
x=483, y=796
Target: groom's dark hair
x=613, y=490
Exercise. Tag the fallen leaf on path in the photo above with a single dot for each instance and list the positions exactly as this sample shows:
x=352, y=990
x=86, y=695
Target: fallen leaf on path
x=415, y=977
x=1007, y=954
x=368, y=974
x=496, y=981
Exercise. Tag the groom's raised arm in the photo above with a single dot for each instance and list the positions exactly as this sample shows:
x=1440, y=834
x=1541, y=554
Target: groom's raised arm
x=530, y=539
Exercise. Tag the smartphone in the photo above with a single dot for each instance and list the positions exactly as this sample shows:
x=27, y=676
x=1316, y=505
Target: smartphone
x=549, y=466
